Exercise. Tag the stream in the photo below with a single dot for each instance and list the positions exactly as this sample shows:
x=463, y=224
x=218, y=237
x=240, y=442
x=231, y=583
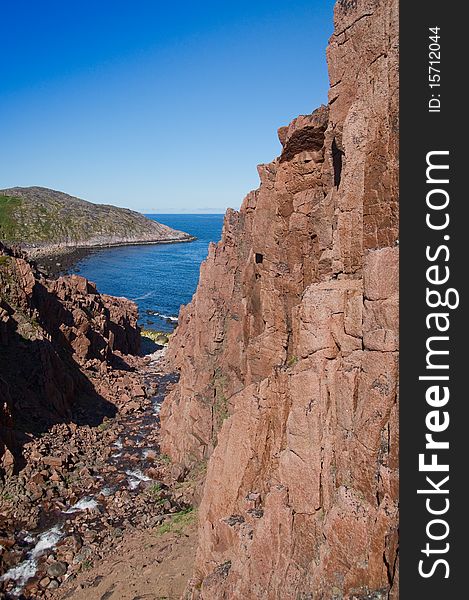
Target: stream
x=126, y=493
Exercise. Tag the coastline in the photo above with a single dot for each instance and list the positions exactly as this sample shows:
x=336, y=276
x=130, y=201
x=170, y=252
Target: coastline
x=57, y=261
x=55, y=265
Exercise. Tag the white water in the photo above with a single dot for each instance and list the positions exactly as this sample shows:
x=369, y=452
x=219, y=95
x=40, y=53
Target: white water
x=27, y=537
x=27, y=569
x=147, y=295
x=86, y=503
x=135, y=478
x=174, y=319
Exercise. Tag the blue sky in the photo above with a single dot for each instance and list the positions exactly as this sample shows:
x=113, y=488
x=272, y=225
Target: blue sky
x=158, y=106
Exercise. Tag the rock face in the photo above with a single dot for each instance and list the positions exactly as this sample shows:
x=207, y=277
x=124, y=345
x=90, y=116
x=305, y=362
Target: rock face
x=45, y=221
x=288, y=351
x=48, y=331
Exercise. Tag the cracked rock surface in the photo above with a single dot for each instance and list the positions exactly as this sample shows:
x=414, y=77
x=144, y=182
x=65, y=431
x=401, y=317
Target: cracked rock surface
x=288, y=351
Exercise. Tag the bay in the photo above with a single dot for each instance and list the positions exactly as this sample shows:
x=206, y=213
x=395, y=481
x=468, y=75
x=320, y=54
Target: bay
x=160, y=277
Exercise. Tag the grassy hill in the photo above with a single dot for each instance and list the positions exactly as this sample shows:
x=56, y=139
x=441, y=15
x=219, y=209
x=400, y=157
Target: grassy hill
x=40, y=219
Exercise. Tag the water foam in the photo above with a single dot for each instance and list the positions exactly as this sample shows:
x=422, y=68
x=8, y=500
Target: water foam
x=135, y=478
x=168, y=317
x=144, y=297
x=28, y=568
x=86, y=503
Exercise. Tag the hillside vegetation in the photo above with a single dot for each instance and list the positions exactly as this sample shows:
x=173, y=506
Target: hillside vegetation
x=39, y=218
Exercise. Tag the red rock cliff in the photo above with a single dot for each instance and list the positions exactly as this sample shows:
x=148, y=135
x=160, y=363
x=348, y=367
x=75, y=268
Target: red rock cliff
x=288, y=351
x=49, y=331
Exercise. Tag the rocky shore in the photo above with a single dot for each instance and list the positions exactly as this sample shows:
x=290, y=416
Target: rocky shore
x=80, y=463
x=55, y=265
x=84, y=488
x=62, y=261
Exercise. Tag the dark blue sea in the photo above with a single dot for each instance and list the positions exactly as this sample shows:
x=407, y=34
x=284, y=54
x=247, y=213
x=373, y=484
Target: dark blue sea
x=159, y=278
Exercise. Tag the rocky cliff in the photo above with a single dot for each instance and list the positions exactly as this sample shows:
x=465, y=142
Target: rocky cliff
x=288, y=351
x=45, y=221
x=50, y=331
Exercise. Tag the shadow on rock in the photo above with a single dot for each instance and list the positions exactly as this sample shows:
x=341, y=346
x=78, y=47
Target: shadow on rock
x=41, y=385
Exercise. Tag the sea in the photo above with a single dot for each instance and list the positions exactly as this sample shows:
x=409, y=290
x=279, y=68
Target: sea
x=159, y=277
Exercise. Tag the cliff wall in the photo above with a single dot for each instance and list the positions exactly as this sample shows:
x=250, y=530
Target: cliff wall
x=288, y=351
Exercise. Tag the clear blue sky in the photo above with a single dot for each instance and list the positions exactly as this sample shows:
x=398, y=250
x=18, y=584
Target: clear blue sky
x=158, y=106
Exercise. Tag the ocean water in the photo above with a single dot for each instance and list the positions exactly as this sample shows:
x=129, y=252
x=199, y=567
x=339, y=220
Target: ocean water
x=159, y=278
